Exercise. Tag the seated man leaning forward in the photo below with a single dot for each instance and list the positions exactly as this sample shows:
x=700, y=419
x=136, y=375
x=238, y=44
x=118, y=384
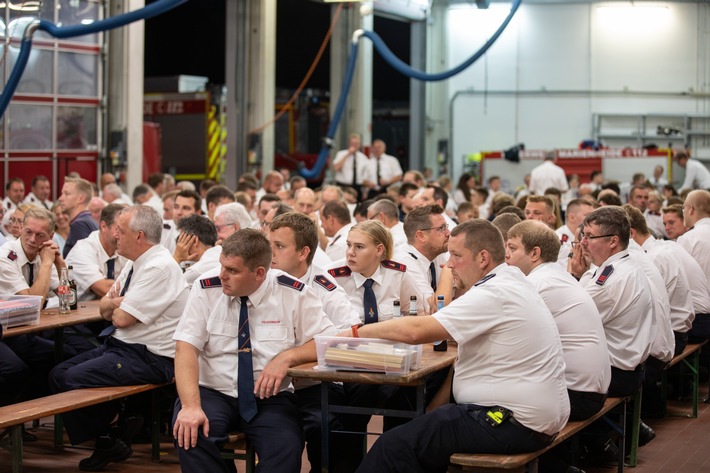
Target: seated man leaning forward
x=243, y=326
x=509, y=387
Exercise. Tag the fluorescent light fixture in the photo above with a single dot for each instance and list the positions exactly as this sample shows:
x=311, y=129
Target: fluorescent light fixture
x=627, y=16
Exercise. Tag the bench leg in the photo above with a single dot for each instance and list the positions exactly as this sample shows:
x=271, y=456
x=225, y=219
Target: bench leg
x=16, y=448
x=635, y=428
x=694, y=368
x=155, y=425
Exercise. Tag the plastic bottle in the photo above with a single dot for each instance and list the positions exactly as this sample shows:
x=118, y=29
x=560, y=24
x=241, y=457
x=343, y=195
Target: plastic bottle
x=64, y=292
x=73, y=300
x=441, y=345
x=413, y=305
x=396, y=310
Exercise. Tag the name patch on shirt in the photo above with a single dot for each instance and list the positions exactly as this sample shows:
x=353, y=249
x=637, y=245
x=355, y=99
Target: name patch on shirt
x=12, y=256
x=605, y=275
x=290, y=282
x=210, y=282
x=340, y=272
x=325, y=282
x=564, y=239
x=389, y=264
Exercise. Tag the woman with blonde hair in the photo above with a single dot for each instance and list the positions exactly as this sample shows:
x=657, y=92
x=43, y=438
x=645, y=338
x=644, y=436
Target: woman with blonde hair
x=61, y=230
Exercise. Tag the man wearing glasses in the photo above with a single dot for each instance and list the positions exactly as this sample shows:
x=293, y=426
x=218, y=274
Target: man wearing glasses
x=577, y=209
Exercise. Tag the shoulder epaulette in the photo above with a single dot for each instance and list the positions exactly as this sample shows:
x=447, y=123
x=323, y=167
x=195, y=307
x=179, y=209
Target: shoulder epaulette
x=12, y=256
x=485, y=278
x=325, y=282
x=605, y=275
x=166, y=226
x=210, y=282
x=389, y=264
x=340, y=272
x=290, y=282
x=564, y=238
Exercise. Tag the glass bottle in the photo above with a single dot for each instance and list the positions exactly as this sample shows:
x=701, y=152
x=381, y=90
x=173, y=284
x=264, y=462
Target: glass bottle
x=441, y=345
x=73, y=300
x=64, y=292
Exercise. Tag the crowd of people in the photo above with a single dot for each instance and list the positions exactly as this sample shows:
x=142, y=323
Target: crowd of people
x=557, y=297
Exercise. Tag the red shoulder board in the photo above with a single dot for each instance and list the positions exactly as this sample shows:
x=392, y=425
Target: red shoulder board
x=605, y=275
x=564, y=239
x=210, y=282
x=325, y=282
x=394, y=265
x=290, y=282
x=340, y=272
x=12, y=256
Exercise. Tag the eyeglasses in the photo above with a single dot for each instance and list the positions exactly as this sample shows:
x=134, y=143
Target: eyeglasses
x=220, y=227
x=593, y=237
x=16, y=220
x=441, y=229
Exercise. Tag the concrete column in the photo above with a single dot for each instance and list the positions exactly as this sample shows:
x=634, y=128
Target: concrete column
x=418, y=157
x=236, y=53
x=125, y=88
x=437, y=93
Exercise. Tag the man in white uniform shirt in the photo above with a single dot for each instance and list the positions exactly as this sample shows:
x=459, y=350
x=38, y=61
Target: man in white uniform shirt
x=425, y=252
x=383, y=169
x=546, y=175
x=351, y=165
x=40, y=193
x=577, y=209
x=244, y=325
x=501, y=369
x=336, y=222
x=144, y=307
x=198, y=236
x=532, y=247
x=94, y=260
x=696, y=216
x=387, y=212
x=697, y=175
x=14, y=193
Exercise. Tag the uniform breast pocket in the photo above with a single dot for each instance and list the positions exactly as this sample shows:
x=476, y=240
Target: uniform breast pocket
x=273, y=336
x=223, y=337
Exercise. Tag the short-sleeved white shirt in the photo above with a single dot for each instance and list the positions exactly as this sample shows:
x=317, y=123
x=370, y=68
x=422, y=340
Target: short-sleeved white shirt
x=155, y=296
x=623, y=296
x=345, y=175
x=338, y=244
x=566, y=238
x=169, y=236
x=389, y=168
x=280, y=317
x=699, y=287
x=89, y=264
x=418, y=268
x=392, y=283
x=14, y=272
x=333, y=297
x=696, y=241
x=697, y=176
x=209, y=260
x=509, y=350
x=31, y=198
x=587, y=367
x=546, y=175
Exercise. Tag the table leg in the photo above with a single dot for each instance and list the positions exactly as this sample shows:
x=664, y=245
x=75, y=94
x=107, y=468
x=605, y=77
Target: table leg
x=58, y=358
x=325, y=427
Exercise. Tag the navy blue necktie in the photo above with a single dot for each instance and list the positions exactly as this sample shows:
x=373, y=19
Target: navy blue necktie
x=245, y=371
x=370, y=303
x=110, y=268
x=432, y=270
x=31, y=274
x=112, y=328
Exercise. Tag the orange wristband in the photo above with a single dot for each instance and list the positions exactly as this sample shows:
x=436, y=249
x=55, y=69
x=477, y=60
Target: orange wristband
x=354, y=330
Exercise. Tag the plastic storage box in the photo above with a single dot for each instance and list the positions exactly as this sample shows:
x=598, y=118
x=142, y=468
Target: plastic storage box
x=19, y=310
x=367, y=354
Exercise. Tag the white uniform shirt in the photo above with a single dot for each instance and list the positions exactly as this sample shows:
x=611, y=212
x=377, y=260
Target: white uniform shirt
x=280, y=317
x=418, y=269
x=654, y=221
x=157, y=203
x=31, y=198
x=677, y=286
x=14, y=270
x=699, y=287
x=392, y=283
x=320, y=259
x=333, y=297
x=450, y=224
x=664, y=342
x=566, y=237
x=697, y=176
x=89, y=265
x=398, y=236
x=587, y=367
x=169, y=237
x=156, y=295
x=546, y=175
x=338, y=244
x=389, y=168
x=696, y=241
x=509, y=350
x=623, y=296
x=345, y=175
x=208, y=261
x=7, y=204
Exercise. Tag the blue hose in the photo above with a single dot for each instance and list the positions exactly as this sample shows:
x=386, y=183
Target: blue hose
x=154, y=9
x=402, y=68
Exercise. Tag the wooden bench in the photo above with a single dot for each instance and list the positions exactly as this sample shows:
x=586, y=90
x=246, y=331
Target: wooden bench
x=693, y=365
x=527, y=462
x=15, y=415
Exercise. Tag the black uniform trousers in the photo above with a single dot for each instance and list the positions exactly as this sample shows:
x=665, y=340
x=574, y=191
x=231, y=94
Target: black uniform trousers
x=115, y=363
x=426, y=443
x=34, y=353
x=14, y=376
x=276, y=433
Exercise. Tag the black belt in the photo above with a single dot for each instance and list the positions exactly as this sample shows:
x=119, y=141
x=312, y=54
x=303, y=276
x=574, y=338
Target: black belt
x=656, y=363
x=598, y=397
x=539, y=436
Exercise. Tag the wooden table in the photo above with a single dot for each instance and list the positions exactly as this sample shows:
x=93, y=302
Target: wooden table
x=432, y=361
